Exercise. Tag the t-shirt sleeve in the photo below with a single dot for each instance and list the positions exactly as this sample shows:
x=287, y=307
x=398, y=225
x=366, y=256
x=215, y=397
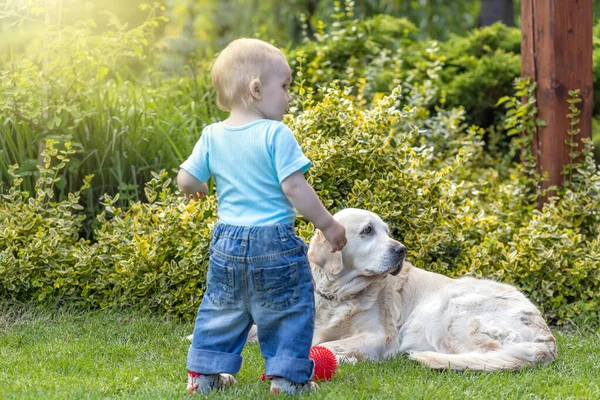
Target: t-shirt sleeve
x=197, y=162
x=286, y=153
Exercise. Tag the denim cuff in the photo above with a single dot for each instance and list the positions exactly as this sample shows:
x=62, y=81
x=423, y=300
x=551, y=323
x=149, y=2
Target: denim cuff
x=213, y=362
x=297, y=370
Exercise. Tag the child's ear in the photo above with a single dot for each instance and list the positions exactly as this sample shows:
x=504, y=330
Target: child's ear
x=255, y=88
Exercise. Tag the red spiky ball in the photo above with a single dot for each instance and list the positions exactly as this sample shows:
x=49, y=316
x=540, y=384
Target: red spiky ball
x=325, y=363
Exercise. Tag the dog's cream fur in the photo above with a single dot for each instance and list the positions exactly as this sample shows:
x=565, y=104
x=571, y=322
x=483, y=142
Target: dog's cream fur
x=372, y=304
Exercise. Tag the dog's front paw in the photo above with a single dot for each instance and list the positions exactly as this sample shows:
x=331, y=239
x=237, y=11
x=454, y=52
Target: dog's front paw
x=341, y=356
x=345, y=359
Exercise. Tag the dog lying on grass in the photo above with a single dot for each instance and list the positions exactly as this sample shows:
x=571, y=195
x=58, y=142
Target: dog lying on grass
x=372, y=304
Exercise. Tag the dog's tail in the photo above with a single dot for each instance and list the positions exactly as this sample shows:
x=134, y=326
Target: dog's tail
x=510, y=356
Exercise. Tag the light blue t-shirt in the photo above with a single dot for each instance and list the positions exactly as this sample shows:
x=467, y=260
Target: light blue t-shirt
x=248, y=164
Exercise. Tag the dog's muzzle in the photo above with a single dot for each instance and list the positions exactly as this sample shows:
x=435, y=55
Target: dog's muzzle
x=399, y=252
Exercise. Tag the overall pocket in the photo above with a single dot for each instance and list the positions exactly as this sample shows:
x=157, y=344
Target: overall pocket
x=301, y=242
x=220, y=287
x=277, y=287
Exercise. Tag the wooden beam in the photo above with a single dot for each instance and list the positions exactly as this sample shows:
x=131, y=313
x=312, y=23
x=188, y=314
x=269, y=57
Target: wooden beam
x=556, y=51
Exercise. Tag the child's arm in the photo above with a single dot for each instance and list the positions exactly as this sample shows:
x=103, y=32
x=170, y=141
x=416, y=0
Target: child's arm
x=303, y=197
x=191, y=186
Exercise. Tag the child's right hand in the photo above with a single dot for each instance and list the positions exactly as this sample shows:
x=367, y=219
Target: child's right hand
x=335, y=234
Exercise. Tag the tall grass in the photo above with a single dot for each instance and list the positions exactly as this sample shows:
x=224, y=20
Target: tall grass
x=123, y=131
x=136, y=129
x=17, y=139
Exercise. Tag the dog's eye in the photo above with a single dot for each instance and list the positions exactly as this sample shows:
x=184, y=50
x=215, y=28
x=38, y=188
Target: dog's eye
x=367, y=230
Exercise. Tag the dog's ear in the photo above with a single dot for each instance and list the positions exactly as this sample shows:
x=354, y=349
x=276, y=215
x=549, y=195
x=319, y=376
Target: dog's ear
x=319, y=253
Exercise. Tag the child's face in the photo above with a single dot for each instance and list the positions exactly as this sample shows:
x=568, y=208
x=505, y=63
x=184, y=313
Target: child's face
x=275, y=98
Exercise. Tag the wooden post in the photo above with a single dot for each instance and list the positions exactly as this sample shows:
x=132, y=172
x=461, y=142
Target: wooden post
x=556, y=51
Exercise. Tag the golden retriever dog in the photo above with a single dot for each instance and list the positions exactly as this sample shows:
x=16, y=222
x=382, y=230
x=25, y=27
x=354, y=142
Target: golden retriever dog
x=372, y=304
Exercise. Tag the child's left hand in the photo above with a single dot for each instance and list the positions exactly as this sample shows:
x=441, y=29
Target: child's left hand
x=196, y=196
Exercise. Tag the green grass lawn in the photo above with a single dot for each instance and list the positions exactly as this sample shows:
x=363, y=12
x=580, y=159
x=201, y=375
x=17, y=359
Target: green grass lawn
x=72, y=355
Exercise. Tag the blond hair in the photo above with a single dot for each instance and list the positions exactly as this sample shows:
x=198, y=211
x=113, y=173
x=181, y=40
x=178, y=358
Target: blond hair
x=237, y=65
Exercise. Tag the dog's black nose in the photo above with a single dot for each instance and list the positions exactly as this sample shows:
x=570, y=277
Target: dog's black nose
x=400, y=250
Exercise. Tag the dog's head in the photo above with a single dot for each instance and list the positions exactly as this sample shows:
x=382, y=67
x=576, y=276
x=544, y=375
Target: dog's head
x=369, y=251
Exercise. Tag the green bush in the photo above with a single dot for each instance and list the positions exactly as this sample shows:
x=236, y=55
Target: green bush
x=459, y=210
x=154, y=254
x=126, y=119
x=479, y=86
x=373, y=56
x=375, y=112
x=40, y=246
x=481, y=42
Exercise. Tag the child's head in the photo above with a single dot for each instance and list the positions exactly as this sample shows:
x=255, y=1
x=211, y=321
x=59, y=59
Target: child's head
x=241, y=67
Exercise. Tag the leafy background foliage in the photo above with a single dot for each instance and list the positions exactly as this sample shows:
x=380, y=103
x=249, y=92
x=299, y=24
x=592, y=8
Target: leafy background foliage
x=422, y=132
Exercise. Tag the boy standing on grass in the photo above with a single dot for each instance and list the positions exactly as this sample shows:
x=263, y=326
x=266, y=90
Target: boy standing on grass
x=258, y=271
